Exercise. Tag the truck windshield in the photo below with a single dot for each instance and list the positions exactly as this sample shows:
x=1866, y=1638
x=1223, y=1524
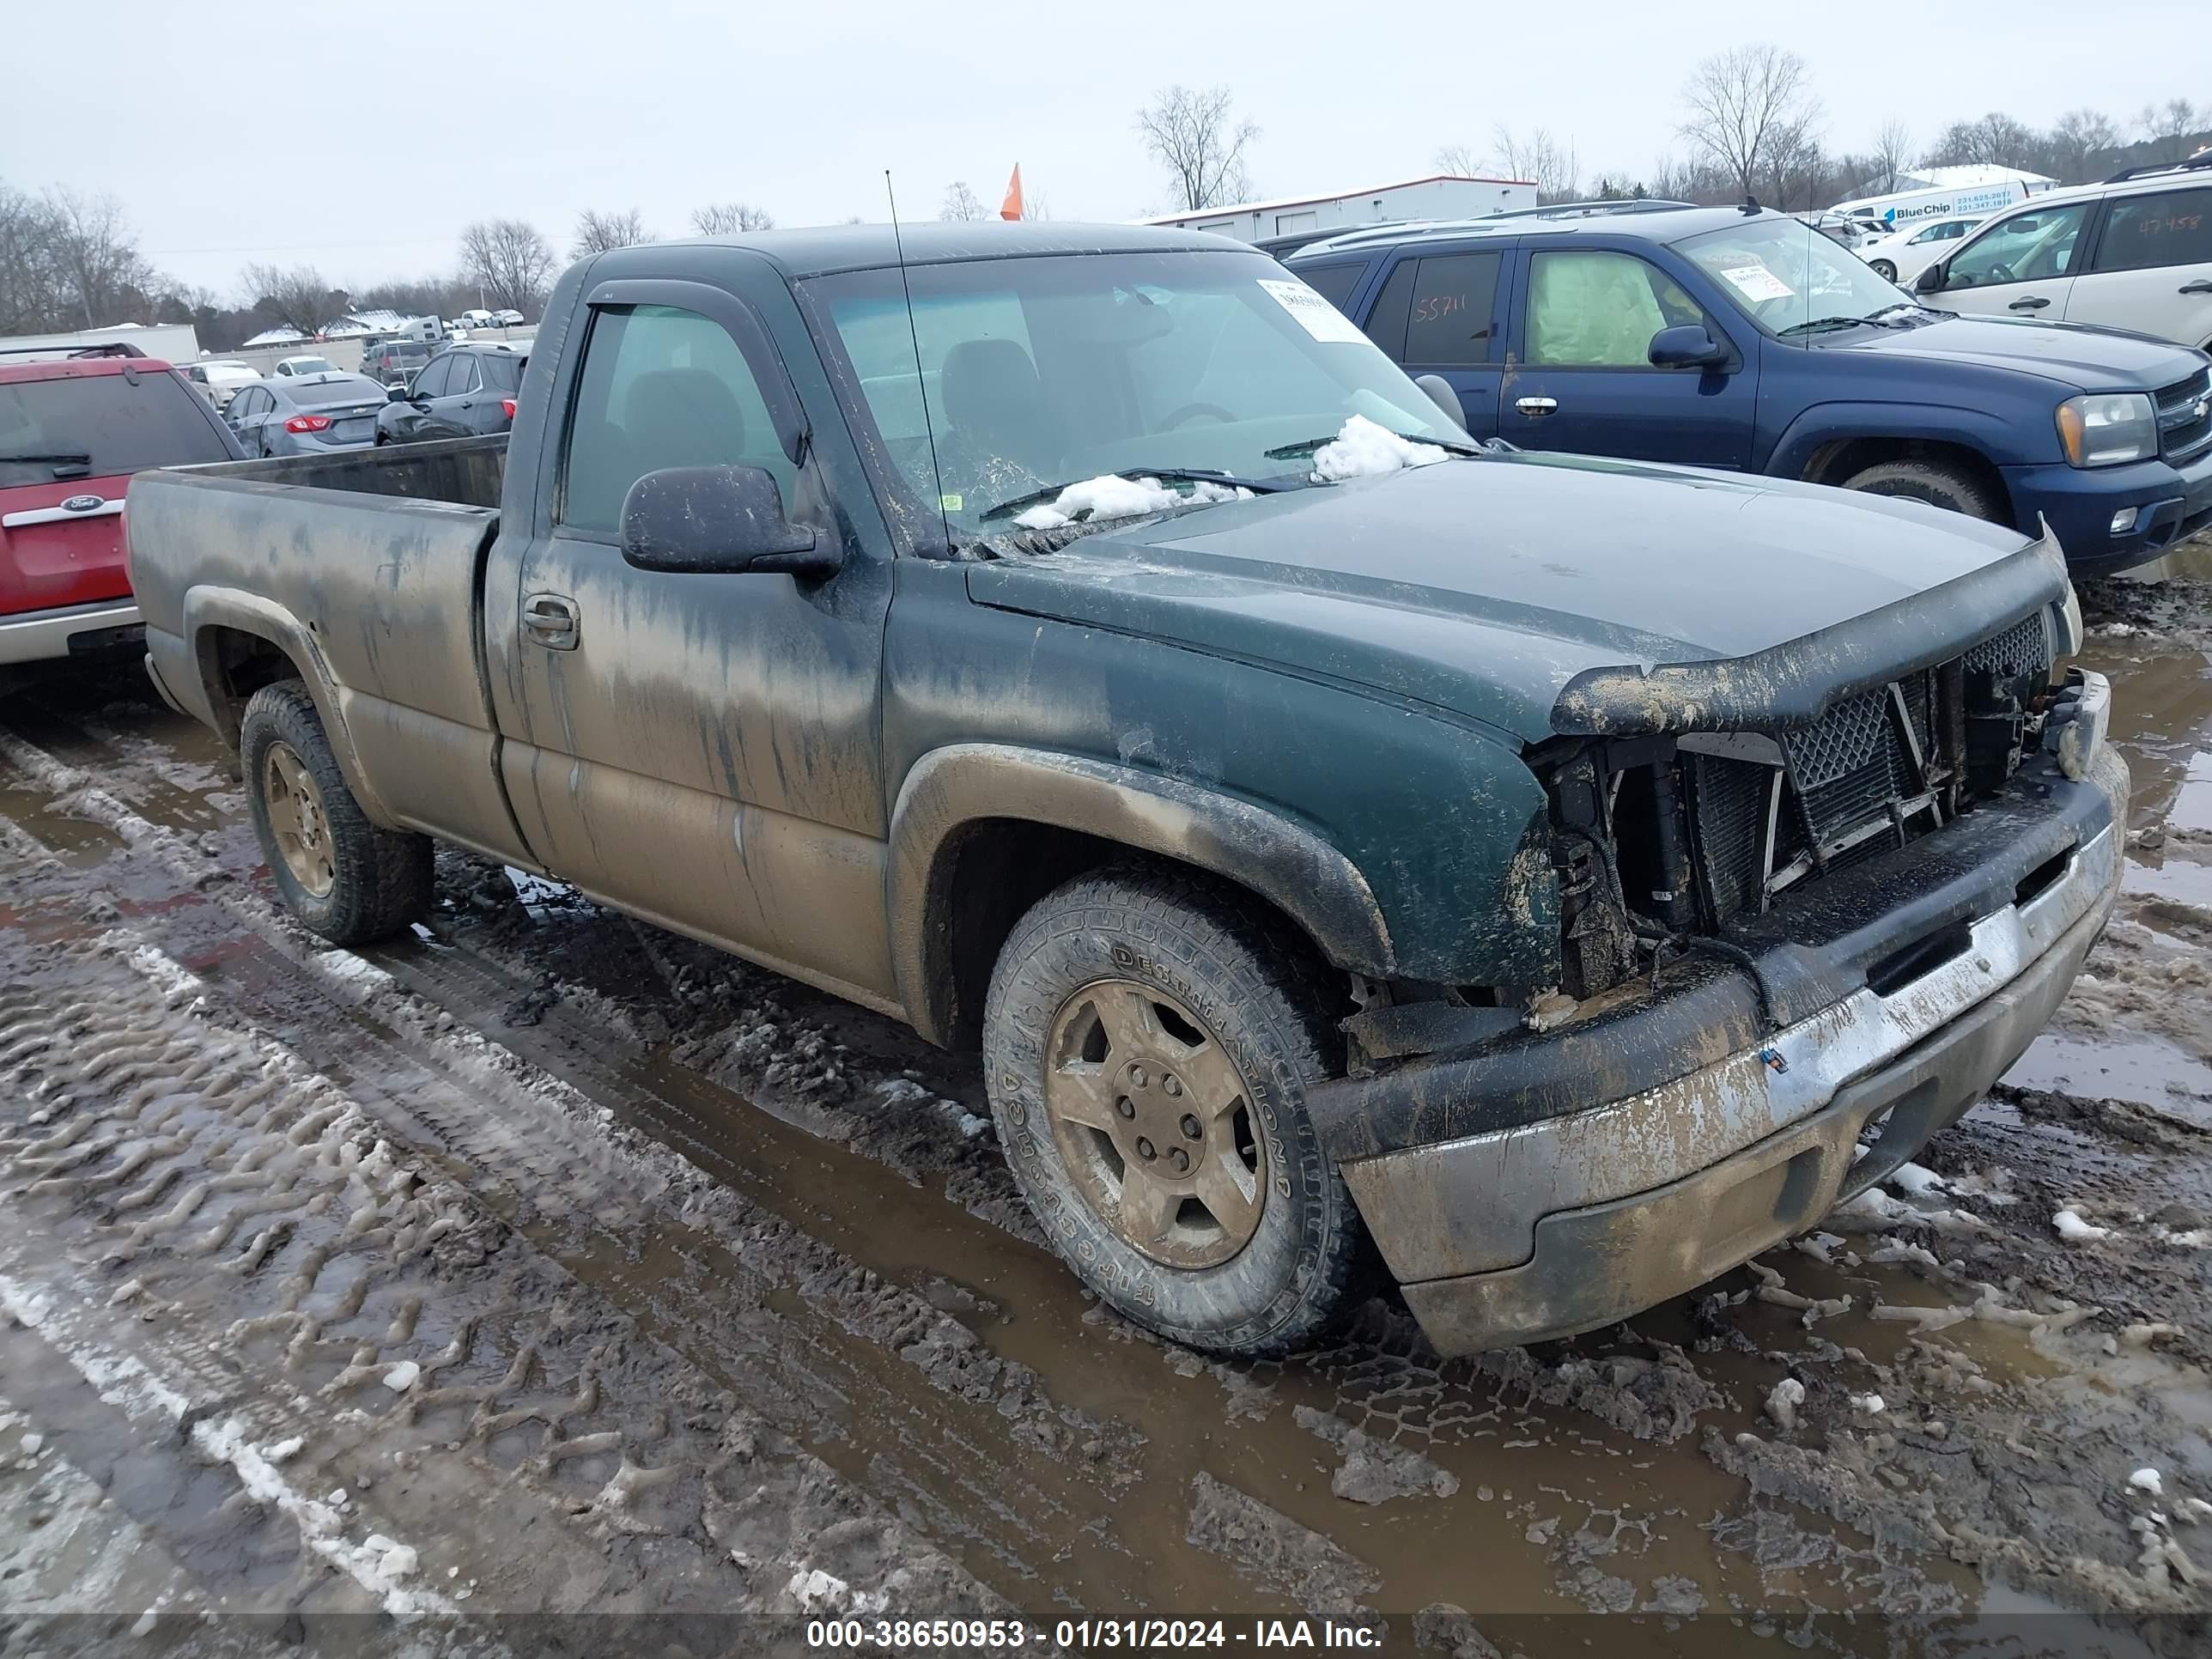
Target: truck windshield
x=1041, y=372
x=1790, y=280
x=117, y=424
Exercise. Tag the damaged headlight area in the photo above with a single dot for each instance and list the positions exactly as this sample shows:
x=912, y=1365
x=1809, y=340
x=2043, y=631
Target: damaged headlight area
x=1668, y=840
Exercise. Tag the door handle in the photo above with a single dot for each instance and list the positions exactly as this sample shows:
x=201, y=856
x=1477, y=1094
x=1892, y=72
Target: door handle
x=2034, y=302
x=1536, y=407
x=2202, y=285
x=552, y=620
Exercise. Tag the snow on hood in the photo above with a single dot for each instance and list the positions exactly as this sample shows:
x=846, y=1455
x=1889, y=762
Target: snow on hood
x=1362, y=449
x=1115, y=497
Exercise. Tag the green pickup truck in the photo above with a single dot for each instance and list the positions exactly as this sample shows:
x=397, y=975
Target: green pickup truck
x=1350, y=848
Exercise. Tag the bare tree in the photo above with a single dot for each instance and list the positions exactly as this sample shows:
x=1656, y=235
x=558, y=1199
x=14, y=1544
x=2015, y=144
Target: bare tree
x=2169, y=127
x=599, y=231
x=1036, y=204
x=510, y=263
x=961, y=203
x=2075, y=139
x=1459, y=160
x=1996, y=140
x=730, y=218
x=298, y=299
x=1196, y=137
x=1746, y=104
x=96, y=257
x=1892, y=148
x=1548, y=163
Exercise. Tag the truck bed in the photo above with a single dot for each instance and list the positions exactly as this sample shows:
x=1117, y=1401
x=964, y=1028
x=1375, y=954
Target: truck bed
x=366, y=570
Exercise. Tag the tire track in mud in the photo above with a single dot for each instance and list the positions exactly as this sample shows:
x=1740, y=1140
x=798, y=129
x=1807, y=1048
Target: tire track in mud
x=1479, y=1424
x=1230, y=1421
x=174, y=1177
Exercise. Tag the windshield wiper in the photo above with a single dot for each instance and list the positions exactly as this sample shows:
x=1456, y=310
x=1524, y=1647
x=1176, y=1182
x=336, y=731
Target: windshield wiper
x=57, y=459
x=1185, y=474
x=1307, y=446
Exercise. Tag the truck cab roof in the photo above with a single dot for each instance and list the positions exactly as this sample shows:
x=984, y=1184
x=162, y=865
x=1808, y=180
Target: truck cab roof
x=820, y=251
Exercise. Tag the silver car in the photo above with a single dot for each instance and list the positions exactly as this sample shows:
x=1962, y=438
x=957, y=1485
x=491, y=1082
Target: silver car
x=310, y=415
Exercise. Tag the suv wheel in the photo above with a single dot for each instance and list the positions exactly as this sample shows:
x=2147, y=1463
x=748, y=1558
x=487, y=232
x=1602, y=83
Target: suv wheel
x=347, y=878
x=1932, y=482
x=1148, y=1040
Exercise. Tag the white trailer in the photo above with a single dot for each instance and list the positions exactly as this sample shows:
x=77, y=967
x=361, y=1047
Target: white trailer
x=1441, y=196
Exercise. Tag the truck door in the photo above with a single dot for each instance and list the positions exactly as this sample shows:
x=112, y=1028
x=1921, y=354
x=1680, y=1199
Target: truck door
x=1583, y=381
x=698, y=748
x=1444, y=313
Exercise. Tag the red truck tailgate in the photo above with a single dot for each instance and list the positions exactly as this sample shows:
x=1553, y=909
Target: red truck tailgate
x=61, y=545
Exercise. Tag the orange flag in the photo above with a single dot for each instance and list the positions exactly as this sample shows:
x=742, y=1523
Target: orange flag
x=1011, y=207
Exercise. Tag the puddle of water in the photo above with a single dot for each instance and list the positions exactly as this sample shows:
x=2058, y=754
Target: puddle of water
x=2116, y=1067
x=2161, y=716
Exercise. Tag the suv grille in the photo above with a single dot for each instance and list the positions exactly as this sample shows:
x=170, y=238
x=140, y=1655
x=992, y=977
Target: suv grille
x=2185, y=418
x=1871, y=774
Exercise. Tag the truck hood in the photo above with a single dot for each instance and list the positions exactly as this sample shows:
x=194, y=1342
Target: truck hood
x=2066, y=354
x=1485, y=586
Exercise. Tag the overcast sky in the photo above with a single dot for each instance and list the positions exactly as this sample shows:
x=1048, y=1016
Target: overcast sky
x=361, y=138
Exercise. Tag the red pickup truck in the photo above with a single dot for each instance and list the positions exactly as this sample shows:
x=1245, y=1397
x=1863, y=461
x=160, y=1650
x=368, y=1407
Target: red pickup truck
x=72, y=431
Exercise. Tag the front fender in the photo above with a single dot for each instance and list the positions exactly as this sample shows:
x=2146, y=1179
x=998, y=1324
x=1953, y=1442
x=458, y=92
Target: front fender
x=962, y=784
x=1995, y=438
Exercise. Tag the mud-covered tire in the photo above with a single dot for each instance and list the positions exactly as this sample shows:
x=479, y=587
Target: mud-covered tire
x=1938, y=485
x=1257, y=991
x=380, y=879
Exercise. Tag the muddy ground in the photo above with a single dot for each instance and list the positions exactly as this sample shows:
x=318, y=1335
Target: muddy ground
x=549, y=1280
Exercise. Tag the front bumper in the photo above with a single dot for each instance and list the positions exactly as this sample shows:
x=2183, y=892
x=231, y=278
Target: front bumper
x=2169, y=503
x=1561, y=1221
x=75, y=630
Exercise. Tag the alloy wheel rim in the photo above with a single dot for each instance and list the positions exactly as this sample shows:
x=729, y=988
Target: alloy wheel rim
x=1155, y=1123
x=297, y=822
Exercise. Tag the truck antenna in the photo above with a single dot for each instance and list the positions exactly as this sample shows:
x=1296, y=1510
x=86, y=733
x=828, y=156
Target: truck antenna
x=921, y=383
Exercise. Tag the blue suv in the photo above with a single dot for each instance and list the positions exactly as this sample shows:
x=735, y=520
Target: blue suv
x=1727, y=338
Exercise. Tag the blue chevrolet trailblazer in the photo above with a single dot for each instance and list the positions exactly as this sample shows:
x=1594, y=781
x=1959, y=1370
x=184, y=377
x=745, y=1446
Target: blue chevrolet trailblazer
x=1740, y=338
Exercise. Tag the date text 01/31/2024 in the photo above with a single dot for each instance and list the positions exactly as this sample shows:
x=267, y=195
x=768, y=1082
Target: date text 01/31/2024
x=1085, y=1635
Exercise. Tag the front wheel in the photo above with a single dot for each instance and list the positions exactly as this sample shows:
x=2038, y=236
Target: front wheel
x=1883, y=269
x=1939, y=485
x=1149, y=1038
x=349, y=879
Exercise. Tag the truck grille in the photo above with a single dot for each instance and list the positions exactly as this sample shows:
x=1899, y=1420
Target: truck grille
x=2185, y=418
x=1869, y=776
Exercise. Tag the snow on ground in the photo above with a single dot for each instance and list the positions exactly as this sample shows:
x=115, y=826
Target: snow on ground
x=1112, y=496
x=1362, y=449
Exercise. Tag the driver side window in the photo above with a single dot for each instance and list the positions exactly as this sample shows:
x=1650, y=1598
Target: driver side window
x=1599, y=310
x=2025, y=248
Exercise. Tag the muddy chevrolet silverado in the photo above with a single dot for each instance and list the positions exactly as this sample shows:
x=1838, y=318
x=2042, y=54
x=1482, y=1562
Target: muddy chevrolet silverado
x=1562, y=878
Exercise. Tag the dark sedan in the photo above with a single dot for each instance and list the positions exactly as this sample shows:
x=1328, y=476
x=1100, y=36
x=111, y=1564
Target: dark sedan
x=464, y=392
x=307, y=417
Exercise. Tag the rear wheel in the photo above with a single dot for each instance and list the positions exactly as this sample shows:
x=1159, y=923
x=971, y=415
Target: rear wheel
x=1883, y=269
x=1149, y=1038
x=1934, y=482
x=349, y=879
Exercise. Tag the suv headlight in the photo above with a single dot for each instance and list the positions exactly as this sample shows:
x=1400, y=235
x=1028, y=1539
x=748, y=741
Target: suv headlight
x=2107, y=428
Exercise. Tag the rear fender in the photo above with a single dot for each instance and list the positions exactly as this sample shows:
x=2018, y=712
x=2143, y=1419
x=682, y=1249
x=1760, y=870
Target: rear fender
x=207, y=611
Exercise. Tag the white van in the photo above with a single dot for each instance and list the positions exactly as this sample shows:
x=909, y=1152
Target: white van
x=1916, y=207
x=2135, y=252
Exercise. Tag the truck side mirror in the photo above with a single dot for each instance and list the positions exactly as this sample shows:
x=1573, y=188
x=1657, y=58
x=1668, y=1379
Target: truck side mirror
x=1930, y=281
x=1687, y=345
x=718, y=519
x=1442, y=395
x=397, y=394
